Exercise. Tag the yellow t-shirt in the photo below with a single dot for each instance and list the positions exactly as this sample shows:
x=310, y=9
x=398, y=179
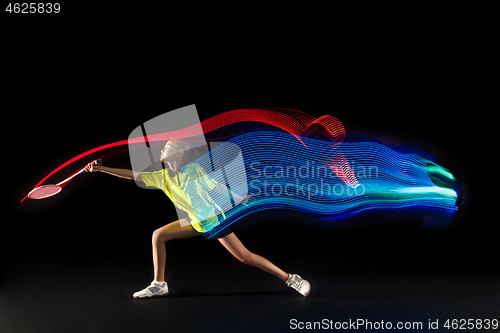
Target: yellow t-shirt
x=188, y=190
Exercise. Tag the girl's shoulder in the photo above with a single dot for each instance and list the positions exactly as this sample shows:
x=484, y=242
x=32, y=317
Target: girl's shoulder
x=195, y=170
x=191, y=168
x=157, y=173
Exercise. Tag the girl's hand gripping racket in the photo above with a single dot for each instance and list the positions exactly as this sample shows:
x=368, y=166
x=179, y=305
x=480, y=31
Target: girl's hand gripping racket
x=46, y=191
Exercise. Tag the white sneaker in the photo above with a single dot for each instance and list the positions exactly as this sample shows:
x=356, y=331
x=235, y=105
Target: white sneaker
x=153, y=290
x=296, y=282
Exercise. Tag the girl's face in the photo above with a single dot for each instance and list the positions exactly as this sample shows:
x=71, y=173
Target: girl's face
x=167, y=153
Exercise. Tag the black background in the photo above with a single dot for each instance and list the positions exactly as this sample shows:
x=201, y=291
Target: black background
x=75, y=85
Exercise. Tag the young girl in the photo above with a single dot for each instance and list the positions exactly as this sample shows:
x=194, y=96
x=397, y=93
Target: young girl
x=173, y=182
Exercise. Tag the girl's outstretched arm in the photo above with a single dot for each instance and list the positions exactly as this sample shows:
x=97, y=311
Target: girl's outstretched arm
x=122, y=173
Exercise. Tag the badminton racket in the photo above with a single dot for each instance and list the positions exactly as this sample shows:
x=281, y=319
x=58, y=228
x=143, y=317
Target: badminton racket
x=46, y=191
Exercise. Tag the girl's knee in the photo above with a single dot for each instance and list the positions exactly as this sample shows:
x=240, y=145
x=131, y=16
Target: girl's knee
x=159, y=236
x=248, y=258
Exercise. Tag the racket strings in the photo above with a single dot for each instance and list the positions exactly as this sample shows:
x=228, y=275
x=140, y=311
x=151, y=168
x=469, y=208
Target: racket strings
x=44, y=192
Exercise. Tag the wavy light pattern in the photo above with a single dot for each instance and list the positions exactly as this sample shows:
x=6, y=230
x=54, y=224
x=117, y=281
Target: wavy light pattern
x=307, y=167
x=282, y=174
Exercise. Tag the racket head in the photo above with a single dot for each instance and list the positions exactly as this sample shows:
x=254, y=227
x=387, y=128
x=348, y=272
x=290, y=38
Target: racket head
x=44, y=191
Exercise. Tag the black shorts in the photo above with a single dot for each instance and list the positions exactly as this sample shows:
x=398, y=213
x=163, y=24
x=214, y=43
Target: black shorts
x=221, y=234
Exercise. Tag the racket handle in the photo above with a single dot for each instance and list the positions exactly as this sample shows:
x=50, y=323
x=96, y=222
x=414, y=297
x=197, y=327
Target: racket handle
x=98, y=162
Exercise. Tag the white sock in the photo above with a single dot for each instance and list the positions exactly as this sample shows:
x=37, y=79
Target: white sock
x=158, y=283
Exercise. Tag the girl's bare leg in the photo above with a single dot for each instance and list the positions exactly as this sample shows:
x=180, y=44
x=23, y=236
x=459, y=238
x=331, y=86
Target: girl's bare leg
x=237, y=249
x=164, y=234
